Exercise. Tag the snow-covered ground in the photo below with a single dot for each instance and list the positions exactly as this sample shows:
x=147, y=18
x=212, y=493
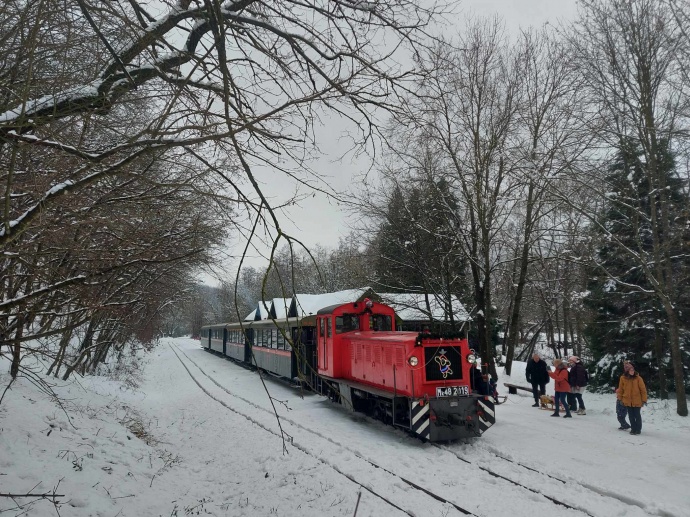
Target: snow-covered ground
x=198, y=437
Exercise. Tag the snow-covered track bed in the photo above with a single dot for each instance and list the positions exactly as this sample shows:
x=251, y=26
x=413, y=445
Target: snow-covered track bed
x=425, y=484
x=562, y=490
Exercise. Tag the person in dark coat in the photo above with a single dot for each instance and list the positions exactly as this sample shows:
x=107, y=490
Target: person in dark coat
x=536, y=373
x=577, y=378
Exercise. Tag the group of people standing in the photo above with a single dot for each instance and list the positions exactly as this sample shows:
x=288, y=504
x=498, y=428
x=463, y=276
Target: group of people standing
x=571, y=384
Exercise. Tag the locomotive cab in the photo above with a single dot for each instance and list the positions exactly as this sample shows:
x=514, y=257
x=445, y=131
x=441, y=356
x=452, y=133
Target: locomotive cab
x=336, y=322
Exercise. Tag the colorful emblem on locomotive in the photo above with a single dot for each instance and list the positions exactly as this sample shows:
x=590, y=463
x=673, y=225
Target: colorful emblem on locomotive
x=443, y=363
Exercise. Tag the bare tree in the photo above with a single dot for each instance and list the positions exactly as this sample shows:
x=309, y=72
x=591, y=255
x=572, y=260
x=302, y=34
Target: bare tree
x=466, y=113
x=552, y=140
x=632, y=56
x=98, y=98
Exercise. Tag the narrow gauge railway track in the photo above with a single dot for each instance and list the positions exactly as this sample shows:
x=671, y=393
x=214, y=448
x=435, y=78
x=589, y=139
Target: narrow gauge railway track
x=516, y=483
x=404, y=480
x=488, y=470
x=306, y=451
x=497, y=475
x=586, y=487
x=601, y=493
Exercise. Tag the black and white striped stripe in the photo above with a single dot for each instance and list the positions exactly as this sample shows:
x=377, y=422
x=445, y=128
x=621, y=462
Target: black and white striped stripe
x=487, y=415
x=419, y=418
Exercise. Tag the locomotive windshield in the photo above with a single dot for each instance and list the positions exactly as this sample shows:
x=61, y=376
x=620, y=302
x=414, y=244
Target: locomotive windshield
x=346, y=323
x=380, y=322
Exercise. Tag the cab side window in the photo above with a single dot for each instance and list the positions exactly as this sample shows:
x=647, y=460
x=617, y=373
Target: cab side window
x=346, y=323
x=380, y=322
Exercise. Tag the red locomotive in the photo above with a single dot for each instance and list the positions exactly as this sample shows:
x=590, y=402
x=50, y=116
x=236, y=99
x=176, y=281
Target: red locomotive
x=417, y=382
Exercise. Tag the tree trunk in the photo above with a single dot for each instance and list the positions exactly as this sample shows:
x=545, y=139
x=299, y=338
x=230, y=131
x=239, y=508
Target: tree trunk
x=517, y=301
x=556, y=312
x=62, y=348
x=659, y=352
x=676, y=355
x=17, y=346
x=580, y=334
x=449, y=301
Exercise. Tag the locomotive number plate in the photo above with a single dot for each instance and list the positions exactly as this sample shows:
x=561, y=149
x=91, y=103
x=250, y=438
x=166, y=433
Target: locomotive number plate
x=452, y=391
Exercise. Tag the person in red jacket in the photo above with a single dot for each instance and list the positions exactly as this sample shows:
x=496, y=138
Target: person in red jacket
x=560, y=376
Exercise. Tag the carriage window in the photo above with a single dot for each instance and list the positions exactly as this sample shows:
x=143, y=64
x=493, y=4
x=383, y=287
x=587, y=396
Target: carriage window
x=329, y=331
x=281, y=340
x=322, y=327
x=346, y=323
x=380, y=322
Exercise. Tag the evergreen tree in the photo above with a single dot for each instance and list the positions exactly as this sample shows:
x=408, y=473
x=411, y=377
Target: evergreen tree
x=629, y=323
x=416, y=248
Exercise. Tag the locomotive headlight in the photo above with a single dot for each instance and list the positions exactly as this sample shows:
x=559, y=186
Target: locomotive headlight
x=471, y=358
x=413, y=361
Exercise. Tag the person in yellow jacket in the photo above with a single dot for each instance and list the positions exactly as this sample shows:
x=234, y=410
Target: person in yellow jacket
x=633, y=395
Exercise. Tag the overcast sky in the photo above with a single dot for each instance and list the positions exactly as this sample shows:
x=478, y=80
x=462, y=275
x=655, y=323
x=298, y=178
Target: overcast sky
x=320, y=220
